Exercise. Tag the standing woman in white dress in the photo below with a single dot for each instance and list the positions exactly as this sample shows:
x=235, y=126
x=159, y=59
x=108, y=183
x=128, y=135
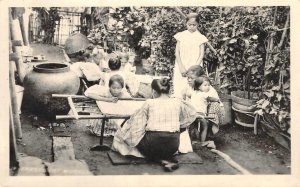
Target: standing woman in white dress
x=189, y=52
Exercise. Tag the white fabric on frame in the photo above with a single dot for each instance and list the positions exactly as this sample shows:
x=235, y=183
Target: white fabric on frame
x=122, y=107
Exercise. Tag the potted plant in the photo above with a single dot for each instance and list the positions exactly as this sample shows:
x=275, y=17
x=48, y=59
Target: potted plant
x=241, y=60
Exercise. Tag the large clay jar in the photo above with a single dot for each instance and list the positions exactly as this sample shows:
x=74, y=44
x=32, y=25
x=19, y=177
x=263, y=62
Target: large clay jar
x=44, y=80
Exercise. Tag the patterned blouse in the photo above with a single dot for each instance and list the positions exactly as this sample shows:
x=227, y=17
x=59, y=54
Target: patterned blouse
x=157, y=115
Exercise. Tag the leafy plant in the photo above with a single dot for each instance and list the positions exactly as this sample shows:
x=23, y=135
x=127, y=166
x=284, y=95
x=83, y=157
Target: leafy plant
x=274, y=105
x=275, y=102
x=163, y=24
x=124, y=26
x=48, y=19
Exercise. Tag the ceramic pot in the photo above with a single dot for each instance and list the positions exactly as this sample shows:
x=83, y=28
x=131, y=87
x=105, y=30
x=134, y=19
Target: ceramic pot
x=44, y=80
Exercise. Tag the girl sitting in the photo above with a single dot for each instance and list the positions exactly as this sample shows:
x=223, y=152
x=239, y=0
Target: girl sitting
x=199, y=99
x=110, y=94
x=215, y=109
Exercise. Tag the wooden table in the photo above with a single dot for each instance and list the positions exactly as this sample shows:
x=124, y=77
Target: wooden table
x=80, y=106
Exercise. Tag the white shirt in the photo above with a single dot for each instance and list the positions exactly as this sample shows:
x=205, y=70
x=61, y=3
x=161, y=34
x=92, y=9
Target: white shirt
x=199, y=101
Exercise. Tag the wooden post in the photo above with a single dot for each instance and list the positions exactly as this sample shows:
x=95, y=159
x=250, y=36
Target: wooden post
x=13, y=99
x=22, y=26
x=13, y=153
x=19, y=62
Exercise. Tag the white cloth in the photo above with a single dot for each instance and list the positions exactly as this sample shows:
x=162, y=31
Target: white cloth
x=89, y=70
x=188, y=91
x=129, y=68
x=199, y=101
x=185, y=145
x=189, y=49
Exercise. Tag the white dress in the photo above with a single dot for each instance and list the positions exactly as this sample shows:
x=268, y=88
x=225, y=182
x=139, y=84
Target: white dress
x=189, y=53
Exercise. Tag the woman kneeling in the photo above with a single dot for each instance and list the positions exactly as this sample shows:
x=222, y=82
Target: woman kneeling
x=154, y=129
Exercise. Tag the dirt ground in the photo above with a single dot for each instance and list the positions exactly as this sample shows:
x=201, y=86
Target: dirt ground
x=257, y=153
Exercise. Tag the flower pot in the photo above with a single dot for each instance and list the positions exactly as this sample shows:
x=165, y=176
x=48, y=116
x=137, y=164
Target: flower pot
x=44, y=80
x=243, y=109
x=241, y=103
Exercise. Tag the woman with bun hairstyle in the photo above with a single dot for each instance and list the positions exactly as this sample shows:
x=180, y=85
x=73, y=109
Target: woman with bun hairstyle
x=153, y=131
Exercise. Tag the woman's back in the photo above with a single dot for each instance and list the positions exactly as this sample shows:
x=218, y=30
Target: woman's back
x=163, y=114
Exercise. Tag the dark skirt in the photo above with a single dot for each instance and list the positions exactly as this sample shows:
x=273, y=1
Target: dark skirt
x=157, y=145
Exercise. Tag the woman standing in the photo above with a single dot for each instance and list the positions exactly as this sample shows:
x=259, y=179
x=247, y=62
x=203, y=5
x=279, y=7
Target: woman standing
x=189, y=52
x=153, y=131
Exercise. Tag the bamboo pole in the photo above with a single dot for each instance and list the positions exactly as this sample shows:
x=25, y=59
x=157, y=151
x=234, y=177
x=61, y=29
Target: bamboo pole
x=231, y=162
x=84, y=97
x=105, y=116
x=180, y=12
x=271, y=41
x=23, y=31
x=284, y=31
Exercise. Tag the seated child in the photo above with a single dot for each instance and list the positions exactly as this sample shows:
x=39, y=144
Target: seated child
x=110, y=94
x=199, y=99
x=114, y=65
x=126, y=65
x=215, y=110
x=104, y=60
x=79, y=54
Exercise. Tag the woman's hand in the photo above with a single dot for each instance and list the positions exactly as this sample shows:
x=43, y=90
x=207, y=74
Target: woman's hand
x=114, y=99
x=183, y=72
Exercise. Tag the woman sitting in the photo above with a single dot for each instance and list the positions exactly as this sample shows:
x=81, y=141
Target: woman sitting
x=215, y=109
x=153, y=130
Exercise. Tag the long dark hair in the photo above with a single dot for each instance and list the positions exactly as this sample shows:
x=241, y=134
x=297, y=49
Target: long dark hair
x=161, y=86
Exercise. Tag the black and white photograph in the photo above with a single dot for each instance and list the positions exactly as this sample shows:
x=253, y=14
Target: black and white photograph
x=195, y=89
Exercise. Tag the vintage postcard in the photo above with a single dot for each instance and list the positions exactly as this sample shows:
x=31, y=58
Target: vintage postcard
x=150, y=93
